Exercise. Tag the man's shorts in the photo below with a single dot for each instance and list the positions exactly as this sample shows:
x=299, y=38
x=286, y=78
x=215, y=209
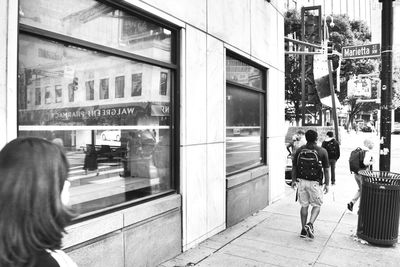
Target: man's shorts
x=310, y=193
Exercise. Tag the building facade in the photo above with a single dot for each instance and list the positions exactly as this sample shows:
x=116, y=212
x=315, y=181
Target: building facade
x=168, y=111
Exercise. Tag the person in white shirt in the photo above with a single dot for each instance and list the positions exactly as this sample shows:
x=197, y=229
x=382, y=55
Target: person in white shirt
x=368, y=161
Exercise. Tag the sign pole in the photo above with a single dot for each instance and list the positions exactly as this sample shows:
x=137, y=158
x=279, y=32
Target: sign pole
x=335, y=120
x=386, y=92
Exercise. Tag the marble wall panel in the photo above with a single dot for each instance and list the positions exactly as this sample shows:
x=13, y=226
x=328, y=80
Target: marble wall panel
x=215, y=186
x=90, y=229
x=238, y=203
x=192, y=12
x=196, y=87
x=260, y=198
x=195, y=193
x=276, y=151
x=280, y=64
x=215, y=90
x=3, y=72
x=234, y=26
x=8, y=70
x=151, y=243
x=104, y=253
x=263, y=37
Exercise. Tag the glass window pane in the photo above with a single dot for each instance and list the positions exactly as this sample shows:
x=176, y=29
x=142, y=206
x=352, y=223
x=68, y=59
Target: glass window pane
x=243, y=129
x=38, y=96
x=58, y=94
x=240, y=72
x=136, y=84
x=163, y=83
x=118, y=148
x=89, y=85
x=119, y=86
x=98, y=23
x=103, y=90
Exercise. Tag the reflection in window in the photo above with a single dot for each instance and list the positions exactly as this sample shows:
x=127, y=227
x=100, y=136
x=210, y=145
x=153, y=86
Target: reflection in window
x=240, y=72
x=98, y=23
x=103, y=89
x=58, y=91
x=119, y=86
x=38, y=96
x=89, y=85
x=163, y=83
x=72, y=87
x=118, y=151
x=244, y=115
x=136, y=84
x=47, y=95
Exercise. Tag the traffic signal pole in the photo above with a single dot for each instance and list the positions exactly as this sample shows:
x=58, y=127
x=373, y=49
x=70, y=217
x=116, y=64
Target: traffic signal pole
x=335, y=120
x=386, y=89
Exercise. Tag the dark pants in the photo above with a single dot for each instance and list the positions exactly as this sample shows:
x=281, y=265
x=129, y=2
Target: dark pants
x=332, y=162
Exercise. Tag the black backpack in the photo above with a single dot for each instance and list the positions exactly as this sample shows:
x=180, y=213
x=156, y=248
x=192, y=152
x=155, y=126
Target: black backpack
x=331, y=149
x=309, y=166
x=356, y=160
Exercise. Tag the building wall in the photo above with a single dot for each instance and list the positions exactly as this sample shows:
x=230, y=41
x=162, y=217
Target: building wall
x=251, y=28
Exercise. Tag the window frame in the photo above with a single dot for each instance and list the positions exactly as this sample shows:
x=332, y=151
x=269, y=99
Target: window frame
x=263, y=107
x=174, y=94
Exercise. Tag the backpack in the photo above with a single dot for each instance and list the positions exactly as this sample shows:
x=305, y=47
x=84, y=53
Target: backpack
x=309, y=166
x=356, y=160
x=331, y=149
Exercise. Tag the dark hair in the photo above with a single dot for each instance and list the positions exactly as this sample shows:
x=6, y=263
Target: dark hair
x=32, y=216
x=330, y=134
x=311, y=136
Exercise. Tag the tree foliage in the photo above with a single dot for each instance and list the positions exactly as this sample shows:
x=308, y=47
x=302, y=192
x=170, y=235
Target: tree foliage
x=343, y=33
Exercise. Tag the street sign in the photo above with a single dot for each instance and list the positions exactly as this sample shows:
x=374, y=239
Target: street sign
x=359, y=88
x=361, y=51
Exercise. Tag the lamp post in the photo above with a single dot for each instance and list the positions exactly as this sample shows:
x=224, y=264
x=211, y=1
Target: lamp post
x=326, y=40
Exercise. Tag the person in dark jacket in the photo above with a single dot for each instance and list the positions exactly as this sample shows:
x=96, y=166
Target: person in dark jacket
x=34, y=192
x=333, y=148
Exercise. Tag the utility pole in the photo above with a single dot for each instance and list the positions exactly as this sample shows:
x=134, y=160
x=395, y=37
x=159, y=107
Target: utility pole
x=386, y=89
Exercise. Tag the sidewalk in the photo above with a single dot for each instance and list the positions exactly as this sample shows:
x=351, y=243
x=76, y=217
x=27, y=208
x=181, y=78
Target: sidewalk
x=271, y=237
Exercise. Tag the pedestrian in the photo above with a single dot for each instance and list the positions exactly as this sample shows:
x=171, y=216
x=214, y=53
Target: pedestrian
x=333, y=148
x=310, y=174
x=368, y=161
x=298, y=142
x=34, y=193
x=290, y=146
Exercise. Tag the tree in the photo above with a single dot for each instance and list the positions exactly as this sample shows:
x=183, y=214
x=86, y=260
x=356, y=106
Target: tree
x=344, y=33
x=292, y=70
x=348, y=33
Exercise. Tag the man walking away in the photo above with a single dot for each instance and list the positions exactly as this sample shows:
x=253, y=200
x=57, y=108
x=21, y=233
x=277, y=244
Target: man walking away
x=366, y=163
x=310, y=166
x=333, y=149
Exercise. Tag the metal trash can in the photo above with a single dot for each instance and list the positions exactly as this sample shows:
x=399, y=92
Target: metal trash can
x=378, y=218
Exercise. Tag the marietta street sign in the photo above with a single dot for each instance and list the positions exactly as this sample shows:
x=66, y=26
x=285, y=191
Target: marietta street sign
x=361, y=51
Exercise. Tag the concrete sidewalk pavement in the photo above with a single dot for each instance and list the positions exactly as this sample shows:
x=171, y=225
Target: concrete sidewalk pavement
x=271, y=237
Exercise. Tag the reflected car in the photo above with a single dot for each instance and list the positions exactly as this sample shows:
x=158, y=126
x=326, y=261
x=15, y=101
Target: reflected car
x=236, y=131
x=366, y=129
x=396, y=131
x=111, y=135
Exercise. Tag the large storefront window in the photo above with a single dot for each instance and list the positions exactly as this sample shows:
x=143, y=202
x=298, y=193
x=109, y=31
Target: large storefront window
x=96, y=22
x=105, y=110
x=245, y=105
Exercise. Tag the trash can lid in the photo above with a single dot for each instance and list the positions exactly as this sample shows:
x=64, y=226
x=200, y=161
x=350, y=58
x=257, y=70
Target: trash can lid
x=380, y=177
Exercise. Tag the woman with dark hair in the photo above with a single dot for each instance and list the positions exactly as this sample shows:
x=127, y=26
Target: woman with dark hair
x=33, y=198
